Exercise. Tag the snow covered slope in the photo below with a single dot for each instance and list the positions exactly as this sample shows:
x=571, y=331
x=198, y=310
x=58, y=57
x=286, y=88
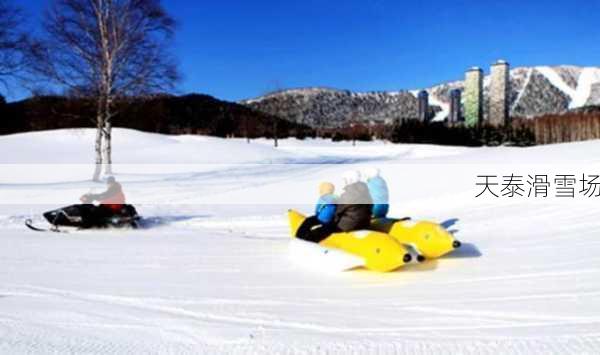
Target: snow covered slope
x=219, y=278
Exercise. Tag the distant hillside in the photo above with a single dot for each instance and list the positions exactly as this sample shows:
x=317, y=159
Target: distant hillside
x=535, y=91
x=162, y=114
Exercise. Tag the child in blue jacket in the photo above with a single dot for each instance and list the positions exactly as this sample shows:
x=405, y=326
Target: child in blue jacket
x=326, y=205
x=320, y=226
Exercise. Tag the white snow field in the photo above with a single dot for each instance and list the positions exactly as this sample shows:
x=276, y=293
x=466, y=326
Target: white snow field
x=217, y=277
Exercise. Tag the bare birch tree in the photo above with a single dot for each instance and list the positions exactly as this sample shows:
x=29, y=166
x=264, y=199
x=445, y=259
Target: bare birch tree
x=106, y=50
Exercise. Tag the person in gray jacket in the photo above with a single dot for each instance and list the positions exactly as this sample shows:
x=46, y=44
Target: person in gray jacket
x=354, y=205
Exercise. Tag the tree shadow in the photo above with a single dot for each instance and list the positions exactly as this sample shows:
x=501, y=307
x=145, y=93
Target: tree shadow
x=161, y=221
x=466, y=250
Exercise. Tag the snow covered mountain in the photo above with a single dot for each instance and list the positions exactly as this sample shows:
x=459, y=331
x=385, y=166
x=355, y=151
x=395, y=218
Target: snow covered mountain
x=534, y=91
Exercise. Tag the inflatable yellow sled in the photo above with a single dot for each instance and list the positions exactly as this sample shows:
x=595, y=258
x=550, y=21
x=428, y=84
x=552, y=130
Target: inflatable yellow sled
x=379, y=251
x=430, y=240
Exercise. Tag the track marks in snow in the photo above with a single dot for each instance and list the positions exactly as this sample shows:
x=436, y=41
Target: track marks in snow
x=205, y=317
x=492, y=320
x=535, y=276
x=272, y=227
x=512, y=318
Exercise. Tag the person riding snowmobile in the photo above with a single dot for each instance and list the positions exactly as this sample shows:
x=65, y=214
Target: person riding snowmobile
x=320, y=226
x=111, y=212
x=354, y=205
x=113, y=198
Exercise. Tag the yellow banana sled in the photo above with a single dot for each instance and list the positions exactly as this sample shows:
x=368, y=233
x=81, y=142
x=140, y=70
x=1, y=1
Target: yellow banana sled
x=378, y=250
x=428, y=239
x=385, y=248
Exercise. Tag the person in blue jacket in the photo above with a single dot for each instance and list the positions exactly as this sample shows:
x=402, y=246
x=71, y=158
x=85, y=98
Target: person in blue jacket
x=321, y=225
x=379, y=192
x=326, y=205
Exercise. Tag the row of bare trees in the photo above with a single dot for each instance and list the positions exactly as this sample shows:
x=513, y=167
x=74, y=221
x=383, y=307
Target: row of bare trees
x=569, y=127
x=103, y=50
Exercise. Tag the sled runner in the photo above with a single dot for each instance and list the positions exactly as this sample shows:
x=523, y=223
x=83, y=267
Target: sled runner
x=29, y=224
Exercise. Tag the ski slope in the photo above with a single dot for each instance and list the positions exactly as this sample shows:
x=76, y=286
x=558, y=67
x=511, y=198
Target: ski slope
x=212, y=273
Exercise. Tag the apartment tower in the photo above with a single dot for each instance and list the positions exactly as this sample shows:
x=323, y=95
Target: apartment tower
x=473, y=112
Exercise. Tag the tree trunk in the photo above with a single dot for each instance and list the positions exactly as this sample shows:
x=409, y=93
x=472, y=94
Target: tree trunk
x=246, y=129
x=108, y=147
x=107, y=111
x=98, y=145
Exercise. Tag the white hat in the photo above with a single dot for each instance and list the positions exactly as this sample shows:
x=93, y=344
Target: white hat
x=350, y=177
x=370, y=173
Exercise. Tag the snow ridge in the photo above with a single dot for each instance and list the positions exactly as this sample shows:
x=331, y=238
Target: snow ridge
x=441, y=115
x=588, y=77
x=556, y=80
x=527, y=80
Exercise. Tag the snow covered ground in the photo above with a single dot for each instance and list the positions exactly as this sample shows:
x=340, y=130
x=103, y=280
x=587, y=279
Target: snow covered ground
x=212, y=272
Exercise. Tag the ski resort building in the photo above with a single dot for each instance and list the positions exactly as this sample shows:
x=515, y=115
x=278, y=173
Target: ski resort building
x=473, y=96
x=498, y=94
x=455, y=114
x=423, y=98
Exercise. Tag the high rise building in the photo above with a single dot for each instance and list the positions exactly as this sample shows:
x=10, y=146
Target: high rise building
x=423, y=98
x=499, y=91
x=473, y=96
x=455, y=114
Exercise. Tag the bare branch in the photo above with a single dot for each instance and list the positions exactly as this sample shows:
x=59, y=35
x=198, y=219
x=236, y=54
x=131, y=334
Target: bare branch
x=13, y=41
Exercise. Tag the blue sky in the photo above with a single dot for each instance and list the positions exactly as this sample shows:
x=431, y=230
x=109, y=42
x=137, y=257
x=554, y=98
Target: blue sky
x=242, y=49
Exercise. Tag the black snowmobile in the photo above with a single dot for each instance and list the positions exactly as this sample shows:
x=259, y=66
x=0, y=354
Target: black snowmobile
x=88, y=216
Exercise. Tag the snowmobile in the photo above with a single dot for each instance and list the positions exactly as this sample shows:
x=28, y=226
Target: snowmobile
x=89, y=216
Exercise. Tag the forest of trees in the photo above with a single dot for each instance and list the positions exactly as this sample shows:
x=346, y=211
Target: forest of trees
x=443, y=134
x=578, y=125
x=202, y=114
x=568, y=127
x=189, y=114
